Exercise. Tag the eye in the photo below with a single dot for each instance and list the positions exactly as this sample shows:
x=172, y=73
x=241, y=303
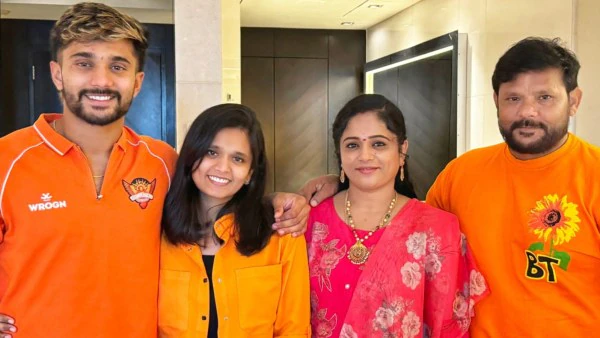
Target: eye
x=351, y=145
x=238, y=159
x=118, y=68
x=513, y=99
x=84, y=64
x=379, y=144
x=545, y=97
x=211, y=153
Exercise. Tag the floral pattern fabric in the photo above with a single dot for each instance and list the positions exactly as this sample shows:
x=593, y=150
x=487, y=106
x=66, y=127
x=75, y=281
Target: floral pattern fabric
x=419, y=281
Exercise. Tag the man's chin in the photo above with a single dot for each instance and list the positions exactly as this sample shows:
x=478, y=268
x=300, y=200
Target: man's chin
x=101, y=119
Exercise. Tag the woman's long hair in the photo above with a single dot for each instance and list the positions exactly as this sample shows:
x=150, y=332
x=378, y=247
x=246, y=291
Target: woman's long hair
x=389, y=114
x=182, y=221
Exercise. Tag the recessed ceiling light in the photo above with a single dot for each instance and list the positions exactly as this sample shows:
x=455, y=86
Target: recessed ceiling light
x=375, y=6
x=347, y=23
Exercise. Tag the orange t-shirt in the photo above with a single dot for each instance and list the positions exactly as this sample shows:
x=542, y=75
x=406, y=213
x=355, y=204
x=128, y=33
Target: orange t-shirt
x=534, y=230
x=74, y=264
x=260, y=296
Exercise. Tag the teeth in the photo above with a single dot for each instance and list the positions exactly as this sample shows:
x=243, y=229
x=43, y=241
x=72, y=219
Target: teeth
x=218, y=179
x=99, y=97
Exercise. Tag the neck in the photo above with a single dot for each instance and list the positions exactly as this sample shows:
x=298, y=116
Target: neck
x=93, y=140
x=210, y=208
x=371, y=200
x=525, y=157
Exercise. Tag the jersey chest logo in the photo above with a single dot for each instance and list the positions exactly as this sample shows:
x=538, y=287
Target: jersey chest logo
x=555, y=221
x=140, y=191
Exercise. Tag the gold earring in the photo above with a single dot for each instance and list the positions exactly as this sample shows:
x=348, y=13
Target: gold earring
x=402, y=173
x=342, y=176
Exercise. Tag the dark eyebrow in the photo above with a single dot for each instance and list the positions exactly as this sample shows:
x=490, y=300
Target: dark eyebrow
x=89, y=55
x=83, y=55
x=370, y=137
x=120, y=59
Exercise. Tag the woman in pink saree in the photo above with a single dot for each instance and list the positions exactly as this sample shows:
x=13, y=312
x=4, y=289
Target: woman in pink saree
x=382, y=263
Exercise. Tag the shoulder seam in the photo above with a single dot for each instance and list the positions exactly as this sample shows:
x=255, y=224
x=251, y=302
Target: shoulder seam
x=154, y=155
x=9, y=171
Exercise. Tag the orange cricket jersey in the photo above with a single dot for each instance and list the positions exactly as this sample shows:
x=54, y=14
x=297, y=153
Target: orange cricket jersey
x=264, y=295
x=74, y=264
x=534, y=228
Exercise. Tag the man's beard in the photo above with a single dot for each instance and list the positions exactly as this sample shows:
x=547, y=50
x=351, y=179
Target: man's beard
x=73, y=102
x=550, y=139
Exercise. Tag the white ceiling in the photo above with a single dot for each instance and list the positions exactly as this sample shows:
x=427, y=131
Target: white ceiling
x=327, y=14
x=324, y=14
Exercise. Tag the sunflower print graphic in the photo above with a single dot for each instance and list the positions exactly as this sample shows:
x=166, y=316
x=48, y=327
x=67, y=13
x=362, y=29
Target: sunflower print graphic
x=554, y=220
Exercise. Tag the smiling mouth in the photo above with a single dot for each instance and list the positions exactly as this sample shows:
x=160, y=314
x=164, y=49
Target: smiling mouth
x=219, y=180
x=99, y=97
x=366, y=170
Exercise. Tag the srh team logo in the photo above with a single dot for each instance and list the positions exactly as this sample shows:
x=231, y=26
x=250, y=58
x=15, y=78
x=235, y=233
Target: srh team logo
x=140, y=190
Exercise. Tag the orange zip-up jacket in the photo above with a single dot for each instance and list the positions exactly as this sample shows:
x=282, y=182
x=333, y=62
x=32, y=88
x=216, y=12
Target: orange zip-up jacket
x=264, y=295
x=75, y=264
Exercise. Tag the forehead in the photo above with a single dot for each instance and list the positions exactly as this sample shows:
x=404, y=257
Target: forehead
x=235, y=139
x=547, y=79
x=100, y=49
x=366, y=124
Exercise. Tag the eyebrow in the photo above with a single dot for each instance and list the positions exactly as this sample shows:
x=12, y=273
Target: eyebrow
x=370, y=137
x=89, y=55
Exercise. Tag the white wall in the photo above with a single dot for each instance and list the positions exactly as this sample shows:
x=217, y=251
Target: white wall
x=492, y=27
x=587, y=45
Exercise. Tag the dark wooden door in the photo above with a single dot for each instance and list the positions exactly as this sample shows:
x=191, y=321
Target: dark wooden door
x=425, y=98
x=300, y=121
x=258, y=90
x=27, y=89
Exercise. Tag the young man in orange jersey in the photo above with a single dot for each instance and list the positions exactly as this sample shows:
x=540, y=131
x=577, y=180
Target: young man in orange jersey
x=530, y=206
x=81, y=195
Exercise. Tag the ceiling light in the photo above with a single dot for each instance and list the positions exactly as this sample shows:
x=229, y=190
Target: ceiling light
x=375, y=6
x=347, y=23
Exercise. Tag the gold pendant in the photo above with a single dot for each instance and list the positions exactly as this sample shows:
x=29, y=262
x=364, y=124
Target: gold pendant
x=358, y=253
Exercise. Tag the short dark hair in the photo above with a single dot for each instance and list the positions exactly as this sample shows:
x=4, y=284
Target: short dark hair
x=389, y=114
x=536, y=54
x=181, y=221
x=90, y=21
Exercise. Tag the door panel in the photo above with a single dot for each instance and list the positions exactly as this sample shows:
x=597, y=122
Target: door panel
x=300, y=121
x=425, y=98
x=257, y=93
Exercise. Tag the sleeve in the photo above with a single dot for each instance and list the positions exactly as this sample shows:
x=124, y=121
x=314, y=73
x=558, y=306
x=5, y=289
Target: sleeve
x=438, y=194
x=455, y=289
x=293, y=314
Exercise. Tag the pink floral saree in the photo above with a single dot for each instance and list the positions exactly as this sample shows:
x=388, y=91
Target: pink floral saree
x=419, y=281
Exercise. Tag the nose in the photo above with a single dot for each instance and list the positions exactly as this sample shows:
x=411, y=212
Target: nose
x=222, y=164
x=102, y=77
x=366, y=153
x=528, y=108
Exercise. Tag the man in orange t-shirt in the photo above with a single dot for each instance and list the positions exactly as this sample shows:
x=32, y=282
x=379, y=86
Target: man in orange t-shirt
x=81, y=195
x=530, y=207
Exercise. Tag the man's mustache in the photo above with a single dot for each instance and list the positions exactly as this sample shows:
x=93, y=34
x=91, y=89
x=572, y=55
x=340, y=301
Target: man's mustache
x=527, y=123
x=99, y=92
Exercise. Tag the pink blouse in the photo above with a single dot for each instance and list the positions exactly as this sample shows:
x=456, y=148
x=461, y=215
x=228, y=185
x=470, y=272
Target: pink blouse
x=419, y=280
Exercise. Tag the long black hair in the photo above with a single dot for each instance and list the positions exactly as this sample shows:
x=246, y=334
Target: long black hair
x=389, y=114
x=182, y=221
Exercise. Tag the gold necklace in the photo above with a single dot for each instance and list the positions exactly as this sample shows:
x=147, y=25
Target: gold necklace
x=358, y=252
